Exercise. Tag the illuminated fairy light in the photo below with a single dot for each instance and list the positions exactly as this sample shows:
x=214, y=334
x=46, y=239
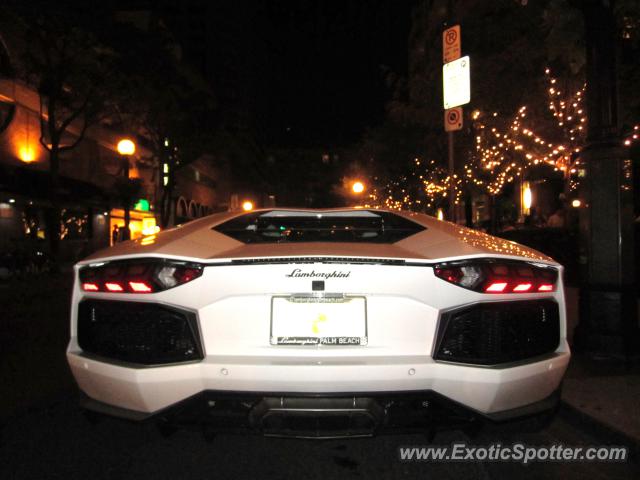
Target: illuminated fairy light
x=514, y=147
x=504, y=150
x=632, y=136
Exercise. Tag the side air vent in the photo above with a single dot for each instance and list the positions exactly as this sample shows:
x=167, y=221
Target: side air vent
x=136, y=332
x=501, y=332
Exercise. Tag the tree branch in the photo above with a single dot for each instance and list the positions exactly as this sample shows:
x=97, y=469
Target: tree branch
x=43, y=126
x=66, y=148
x=81, y=109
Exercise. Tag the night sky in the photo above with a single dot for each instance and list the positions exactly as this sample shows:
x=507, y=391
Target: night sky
x=307, y=73
x=326, y=71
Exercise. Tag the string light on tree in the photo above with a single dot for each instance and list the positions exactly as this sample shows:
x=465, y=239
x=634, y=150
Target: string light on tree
x=504, y=150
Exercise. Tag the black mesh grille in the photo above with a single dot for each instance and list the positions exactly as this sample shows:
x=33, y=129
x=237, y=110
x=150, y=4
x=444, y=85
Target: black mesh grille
x=136, y=332
x=494, y=333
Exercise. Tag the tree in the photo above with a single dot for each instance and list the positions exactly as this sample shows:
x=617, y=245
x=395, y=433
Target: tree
x=7, y=109
x=525, y=103
x=71, y=71
x=169, y=105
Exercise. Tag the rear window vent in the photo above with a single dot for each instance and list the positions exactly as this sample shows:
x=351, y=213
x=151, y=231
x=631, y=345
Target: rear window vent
x=283, y=226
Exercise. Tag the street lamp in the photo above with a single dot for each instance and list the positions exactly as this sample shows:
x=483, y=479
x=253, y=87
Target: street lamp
x=126, y=148
x=247, y=206
x=357, y=187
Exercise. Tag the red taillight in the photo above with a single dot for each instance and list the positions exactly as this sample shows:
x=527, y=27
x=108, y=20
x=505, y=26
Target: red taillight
x=140, y=287
x=185, y=275
x=114, y=287
x=496, y=287
x=452, y=275
x=138, y=276
x=522, y=287
x=498, y=276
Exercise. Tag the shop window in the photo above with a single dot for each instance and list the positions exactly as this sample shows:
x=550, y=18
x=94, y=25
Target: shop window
x=74, y=225
x=33, y=222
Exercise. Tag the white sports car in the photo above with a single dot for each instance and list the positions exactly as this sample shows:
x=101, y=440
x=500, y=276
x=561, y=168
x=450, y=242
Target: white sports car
x=319, y=323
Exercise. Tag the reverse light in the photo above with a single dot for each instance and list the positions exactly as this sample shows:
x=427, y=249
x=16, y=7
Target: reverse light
x=498, y=276
x=137, y=276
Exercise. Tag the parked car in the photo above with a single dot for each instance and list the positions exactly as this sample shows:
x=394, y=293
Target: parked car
x=319, y=323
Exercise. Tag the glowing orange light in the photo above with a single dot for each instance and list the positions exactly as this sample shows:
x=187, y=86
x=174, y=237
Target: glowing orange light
x=357, y=187
x=126, y=147
x=247, y=206
x=149, y=226
x=27, y=154
x=150, y=240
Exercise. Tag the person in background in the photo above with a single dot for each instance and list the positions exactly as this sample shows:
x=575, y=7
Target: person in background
x=556, y=220
x=115, y=235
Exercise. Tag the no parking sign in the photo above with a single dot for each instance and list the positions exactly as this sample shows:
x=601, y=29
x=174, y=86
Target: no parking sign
x=453, y=119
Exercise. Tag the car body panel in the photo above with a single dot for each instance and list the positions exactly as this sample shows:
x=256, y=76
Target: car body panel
x=198, y=240
x=404, y=303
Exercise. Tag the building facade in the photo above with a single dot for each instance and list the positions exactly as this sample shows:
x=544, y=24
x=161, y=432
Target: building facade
x=90, y=203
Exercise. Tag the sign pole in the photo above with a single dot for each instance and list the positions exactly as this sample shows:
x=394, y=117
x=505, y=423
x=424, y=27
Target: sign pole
x=456, y=92
x=452, y=122
x=452, y=187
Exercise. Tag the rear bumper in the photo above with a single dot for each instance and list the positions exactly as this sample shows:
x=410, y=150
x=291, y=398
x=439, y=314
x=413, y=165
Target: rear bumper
x=487, y=391
x=325, y=416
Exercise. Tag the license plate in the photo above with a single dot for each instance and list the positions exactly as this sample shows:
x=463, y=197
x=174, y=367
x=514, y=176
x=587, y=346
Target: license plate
x=340, y=321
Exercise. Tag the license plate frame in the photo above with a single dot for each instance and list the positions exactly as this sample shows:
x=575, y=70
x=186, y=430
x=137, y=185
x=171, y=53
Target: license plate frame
x=359, y=333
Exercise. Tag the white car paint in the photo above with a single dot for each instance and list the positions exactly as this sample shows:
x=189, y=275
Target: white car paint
x=233, y=305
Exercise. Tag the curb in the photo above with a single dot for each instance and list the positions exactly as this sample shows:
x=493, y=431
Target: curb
x=599, y=429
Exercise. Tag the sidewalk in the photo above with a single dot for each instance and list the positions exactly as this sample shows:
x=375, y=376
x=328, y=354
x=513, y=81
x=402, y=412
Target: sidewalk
x=604, y=395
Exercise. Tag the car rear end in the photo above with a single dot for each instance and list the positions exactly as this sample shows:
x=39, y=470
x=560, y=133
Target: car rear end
x=319, y=345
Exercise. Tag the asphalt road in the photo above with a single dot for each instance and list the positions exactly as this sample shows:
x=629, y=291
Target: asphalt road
x=56, y=441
